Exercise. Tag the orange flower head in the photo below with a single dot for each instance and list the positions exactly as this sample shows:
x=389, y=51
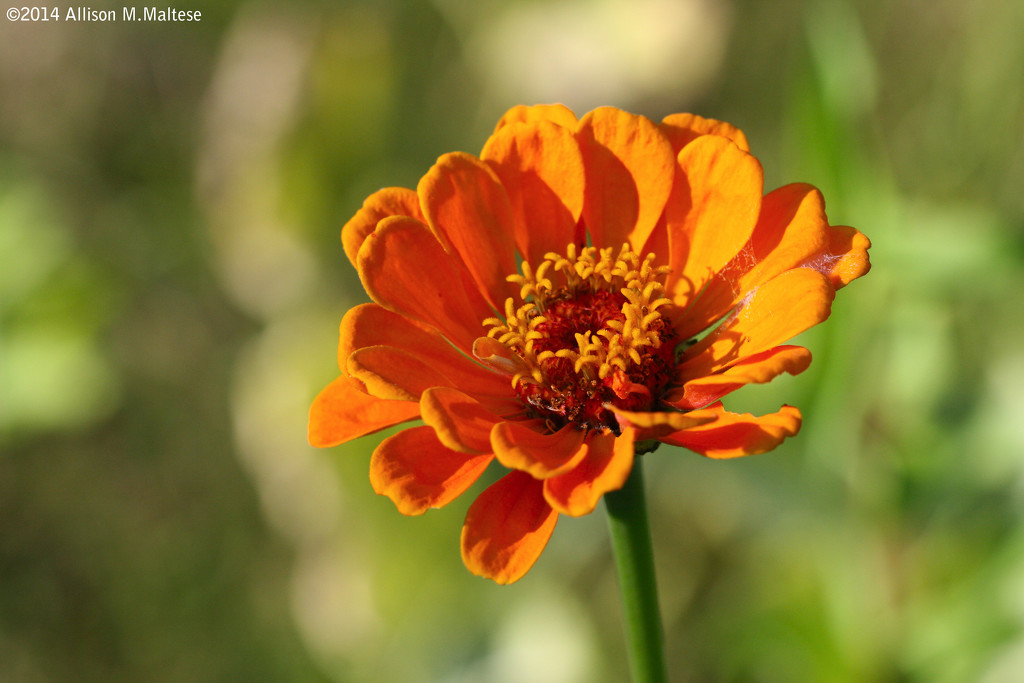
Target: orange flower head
x=656, y=277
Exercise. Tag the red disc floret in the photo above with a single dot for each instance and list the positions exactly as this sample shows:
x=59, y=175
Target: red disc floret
x=581, y=396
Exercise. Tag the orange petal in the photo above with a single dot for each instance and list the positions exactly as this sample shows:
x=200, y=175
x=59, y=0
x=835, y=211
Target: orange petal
x=605, y=468
x=777, y=311
x=792, y=226
x=715, y=203
x=462, y=423
x=391, y=373
x=558, y=114
x=846, y=257
x=371, y=325
x=629, y=168
x=404, y=269
x=542, y=455
x=343, y=411
x=390, y=201
x=791, y=229
x=417, y=472
x=655, y=424
x=756, y=369
x=467, y=209
x=658, y=243
x=506, y=528
x=681, y=129
x=541, y=168
x=732, y=435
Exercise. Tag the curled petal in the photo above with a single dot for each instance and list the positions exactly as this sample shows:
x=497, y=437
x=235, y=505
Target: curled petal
x=629, y=169
x=681, y=129
x=390, y=201
x=655, y=424
x=370, y=324
x=468, y=211
x=405, y=269
x=417, y=472
x=715, y=203
x=608, y=462
x=506, y=528
x=344, y=411
x=542, y=455
x=540, y=166
x=756, y=369
x=732, y=435
x=461, y=422
x=777, y=311
x=373, y=325
x=390, y=373
x=845, y=258
x=791, y=229
x=558, y=114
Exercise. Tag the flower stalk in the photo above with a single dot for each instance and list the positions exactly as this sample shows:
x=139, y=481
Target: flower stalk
x=634, y=561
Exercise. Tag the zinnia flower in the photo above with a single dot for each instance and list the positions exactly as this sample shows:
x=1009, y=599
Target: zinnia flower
x=578, y=293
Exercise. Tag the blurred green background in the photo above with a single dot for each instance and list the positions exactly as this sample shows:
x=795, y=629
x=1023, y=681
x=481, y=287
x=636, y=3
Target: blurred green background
x=171, y=281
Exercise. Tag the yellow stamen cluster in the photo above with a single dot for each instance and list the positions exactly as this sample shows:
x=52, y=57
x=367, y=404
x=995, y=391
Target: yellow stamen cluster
x=618, y=343
x=519, y=332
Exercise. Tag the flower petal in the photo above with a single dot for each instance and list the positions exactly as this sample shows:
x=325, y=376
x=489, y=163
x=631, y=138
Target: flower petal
x=462, y=423
x=777, y=311
x=792, y=226
x=506, y=528
x=390, y=201
x=393, y=374
x=608, y=462
x=419, y=351
x=389, y=372
x=417, y=472
x=715, y=203
x=791, y=229
x=405, y=269
x=629, y=168
x=469, y=213
x=658, y=243
x=343, y=411
x=541, y=168
x=681, y=129
x=540, y=454
x=733, y=435
x=845, y=258
x=371, y=324
x=756, y=369
x=555, y=113
x=655, y=424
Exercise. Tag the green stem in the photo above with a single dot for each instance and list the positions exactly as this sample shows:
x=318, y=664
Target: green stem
x=634, y=560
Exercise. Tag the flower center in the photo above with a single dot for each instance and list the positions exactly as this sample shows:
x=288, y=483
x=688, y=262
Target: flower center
x=590, y=333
